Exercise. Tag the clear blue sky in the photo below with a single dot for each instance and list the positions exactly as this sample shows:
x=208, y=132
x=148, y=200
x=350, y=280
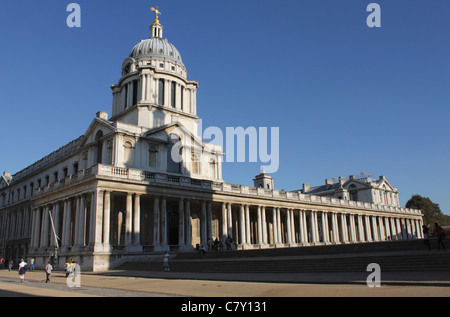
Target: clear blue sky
x=347, y=98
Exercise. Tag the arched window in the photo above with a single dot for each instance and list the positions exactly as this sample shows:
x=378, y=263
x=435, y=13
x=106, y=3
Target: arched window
x=98, y=139
x=161, y=92
x=75, y=168
x=128, y=153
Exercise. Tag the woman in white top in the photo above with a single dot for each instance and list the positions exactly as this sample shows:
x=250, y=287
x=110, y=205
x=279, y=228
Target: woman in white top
x=22, y=265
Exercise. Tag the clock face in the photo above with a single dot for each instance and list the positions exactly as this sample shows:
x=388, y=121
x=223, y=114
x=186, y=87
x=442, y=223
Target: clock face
x=127, y=68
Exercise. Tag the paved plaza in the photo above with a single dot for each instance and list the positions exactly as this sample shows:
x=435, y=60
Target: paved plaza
x=182, y=284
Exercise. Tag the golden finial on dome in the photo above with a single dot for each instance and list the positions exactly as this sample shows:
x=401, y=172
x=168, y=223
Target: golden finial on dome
x=156, y=13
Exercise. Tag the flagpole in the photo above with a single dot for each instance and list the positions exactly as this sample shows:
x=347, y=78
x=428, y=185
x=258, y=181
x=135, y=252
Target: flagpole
x=54, y=233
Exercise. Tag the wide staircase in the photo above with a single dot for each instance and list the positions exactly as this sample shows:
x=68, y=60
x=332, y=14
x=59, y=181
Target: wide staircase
x=392, y=256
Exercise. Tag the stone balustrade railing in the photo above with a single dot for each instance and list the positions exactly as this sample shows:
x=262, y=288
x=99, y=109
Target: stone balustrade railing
x=181, y=180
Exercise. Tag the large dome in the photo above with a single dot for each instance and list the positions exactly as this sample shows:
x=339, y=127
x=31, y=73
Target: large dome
x=156, y=48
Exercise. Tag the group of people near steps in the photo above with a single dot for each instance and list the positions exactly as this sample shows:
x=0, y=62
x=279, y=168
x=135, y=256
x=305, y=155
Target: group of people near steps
x=438, y=232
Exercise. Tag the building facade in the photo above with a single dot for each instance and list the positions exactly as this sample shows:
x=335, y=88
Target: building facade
x=141, y=181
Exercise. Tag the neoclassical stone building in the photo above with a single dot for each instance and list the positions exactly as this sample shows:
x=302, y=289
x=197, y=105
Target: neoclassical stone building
x=141, y=181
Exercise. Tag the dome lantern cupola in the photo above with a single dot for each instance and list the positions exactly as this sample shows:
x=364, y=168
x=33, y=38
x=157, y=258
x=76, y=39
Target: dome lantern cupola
x=156, y=28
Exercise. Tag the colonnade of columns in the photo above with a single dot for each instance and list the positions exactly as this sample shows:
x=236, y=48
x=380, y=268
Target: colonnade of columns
x=67, y=224
x=15, y=224
x=103, y=220
x=263, y=225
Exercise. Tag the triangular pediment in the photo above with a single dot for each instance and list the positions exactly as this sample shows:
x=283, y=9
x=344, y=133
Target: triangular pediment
x=164, y=132
x=385, y=185
x=355, y=184
x=98, y=124
x=4, y=182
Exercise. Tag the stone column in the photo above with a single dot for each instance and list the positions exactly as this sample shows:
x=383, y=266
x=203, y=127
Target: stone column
x=224, y=222
x=156, y=222
x=37, y=228
x=352, y=228
x=80, y=221
x=325, y=229
x=230, y=220
x=302, y=227
x=368, y=231
x=375, y=229
x=280, y=239
x=164, y=222
x=242, y=225
x=44, y=228
x=181, y=218
x=187, y=211
x=137, y=222
x=106, y=219
x=209, y=222
x=259, y=225
x=361, y=229
x=264, y=225
x=67, y=215
x=408, y=229
x=344, y=228
x=247, y=225
x=56, y=216
x=128, y=220
x=33, y=221
x=393, y=229
x=203, y=225
x=399, y=229
x=335, y=226
x=291, y=225
x=418, y=229
x=387, y=228
x=97, y=219
x=381, y=231
x=313, y=224
x=274, y=225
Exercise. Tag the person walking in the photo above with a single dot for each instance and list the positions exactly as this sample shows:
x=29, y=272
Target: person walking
x=10, y=265
x=48, y=271
x=426, y=236
x=31, y=264
x=166, y=262
x=22, y=270
x=440, y=233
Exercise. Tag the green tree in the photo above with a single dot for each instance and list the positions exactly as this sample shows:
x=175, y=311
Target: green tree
x=430, y=210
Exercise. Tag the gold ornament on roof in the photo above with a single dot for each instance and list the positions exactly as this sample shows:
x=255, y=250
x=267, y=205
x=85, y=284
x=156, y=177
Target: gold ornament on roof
x=156, y=13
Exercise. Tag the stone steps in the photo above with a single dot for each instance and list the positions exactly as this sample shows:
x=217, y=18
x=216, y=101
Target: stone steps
x=392, y=256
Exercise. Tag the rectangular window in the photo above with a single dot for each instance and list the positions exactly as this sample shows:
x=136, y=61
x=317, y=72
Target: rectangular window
x=182, y=98
x=135, y=92
x=161, y=92
x=173, y=94
x=126, y=97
